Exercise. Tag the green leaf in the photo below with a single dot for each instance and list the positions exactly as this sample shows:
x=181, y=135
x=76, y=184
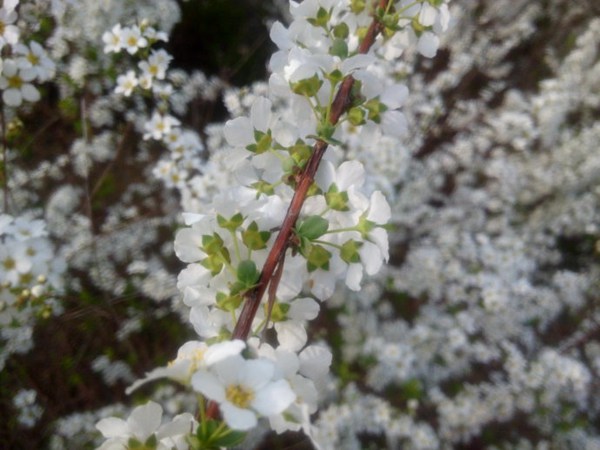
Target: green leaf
x=231, y=439
x=313, y=227
x=336, y=200
x=349, y=252
x=339, y=48
x=231, y=224
x=335, y=76
x=341, y=30
x=279, y=311
x=247, y=274
x=211, y=244
x=263, y=141
x=262, y=187
x=317, y=258
x=356, y=116
x=307, y=87
x=323, y=17
x=228, y=303
x=255, y=239
x=357, y=6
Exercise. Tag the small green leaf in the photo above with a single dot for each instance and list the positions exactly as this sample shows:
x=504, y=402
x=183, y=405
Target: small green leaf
x=247, y=274
x=307, y=87
x=365, y=226
x=231, y=439
x=279, y=311
x=317, y=258
x=313, y=227
x=341, y=30
x=356, y=116
x=231, y=224
x=323, y=17
x=357, y=6
x=255, y=239
x=228, y=303
x=262, y=187
x=349, y=252
x=339, y=48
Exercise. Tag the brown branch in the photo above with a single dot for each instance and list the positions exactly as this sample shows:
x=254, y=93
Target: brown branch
x=253, y=297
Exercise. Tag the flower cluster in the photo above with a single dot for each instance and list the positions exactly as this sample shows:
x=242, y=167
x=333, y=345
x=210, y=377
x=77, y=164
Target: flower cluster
x=30, y=278
x=27, y=63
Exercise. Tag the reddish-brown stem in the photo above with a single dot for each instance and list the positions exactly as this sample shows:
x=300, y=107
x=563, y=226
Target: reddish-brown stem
x=253, y=297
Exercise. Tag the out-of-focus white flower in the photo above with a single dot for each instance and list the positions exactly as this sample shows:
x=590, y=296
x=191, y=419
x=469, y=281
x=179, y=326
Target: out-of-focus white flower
x=132, y=39
x=160, y=125
x=126, y=83
x=15, y=82
x=113, y=39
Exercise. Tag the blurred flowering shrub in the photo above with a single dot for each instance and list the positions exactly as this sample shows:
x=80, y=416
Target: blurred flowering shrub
x=227, y=271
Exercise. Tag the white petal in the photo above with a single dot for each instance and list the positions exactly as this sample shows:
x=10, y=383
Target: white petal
x=291, y=335
x=209, y=385
x=187, y=245
x=428, y=44
x=370, y=257
x=350, y=173
x=356, y=62
x=304, y=309
x=258, y=372
x=230, y=370
x=274, y=398
x=181, y=424
x=427, y=15
x=354, y=276
x=326, y=175
x=237, y=418
x=380, y=238
x=112, y=427
x=315, y=361
x=280, y=36
x=12, y=97
x=261, y=114
x=238, y=132
x=178, y=371
x=394, y=124
x=145, y=420
x=394, y=96
x=379, y=210
x=220, y=351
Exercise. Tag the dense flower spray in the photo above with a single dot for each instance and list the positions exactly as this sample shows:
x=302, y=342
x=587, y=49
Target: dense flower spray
x=292, y=224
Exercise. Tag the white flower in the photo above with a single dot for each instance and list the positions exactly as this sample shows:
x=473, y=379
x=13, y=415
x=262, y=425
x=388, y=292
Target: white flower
x=243, y=389
x=9, y=33
x=15, y=83
x=144, y=423
x=156, y=65
x=160, y=126
x=126, y=83
x=132, y=39
x=36, y=58
x=113, y=39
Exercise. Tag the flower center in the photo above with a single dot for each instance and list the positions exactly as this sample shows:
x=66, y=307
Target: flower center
x=33, y=59
x=9, y=263
x=239, y=395
x=15, y=82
